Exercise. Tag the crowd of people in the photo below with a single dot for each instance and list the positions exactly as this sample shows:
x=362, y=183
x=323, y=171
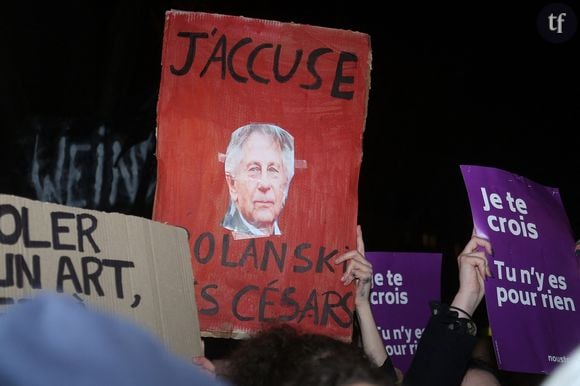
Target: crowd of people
x=52, y=340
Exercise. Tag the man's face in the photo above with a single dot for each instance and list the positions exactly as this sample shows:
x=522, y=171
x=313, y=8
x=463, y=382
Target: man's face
x=259, y=181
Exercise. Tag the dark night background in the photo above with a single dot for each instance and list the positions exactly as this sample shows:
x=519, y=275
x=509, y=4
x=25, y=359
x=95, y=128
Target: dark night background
x=451, y=84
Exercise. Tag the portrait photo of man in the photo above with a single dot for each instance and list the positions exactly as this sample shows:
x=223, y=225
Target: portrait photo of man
x=259, y=166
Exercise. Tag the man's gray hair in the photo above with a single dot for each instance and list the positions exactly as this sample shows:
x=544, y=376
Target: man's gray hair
x=278, y=134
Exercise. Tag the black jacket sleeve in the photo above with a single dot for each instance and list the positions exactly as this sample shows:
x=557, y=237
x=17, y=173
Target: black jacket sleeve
x=389, y=370
x=443, y=351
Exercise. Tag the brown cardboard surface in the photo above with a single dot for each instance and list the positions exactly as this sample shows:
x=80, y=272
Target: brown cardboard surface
x=133, y=267
x=224, y=73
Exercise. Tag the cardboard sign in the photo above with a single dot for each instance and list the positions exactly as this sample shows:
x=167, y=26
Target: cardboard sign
x=403, y=285
x=533, y=298
x=259, y=148
x=136, y=268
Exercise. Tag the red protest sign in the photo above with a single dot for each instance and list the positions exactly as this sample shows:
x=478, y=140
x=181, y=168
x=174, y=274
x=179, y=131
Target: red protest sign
x=259, y=147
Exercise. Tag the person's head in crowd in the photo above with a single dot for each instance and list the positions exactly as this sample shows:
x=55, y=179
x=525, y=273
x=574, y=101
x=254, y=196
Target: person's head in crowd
x=53, y=340
x=481, y=373
x=259, y=166
x=283, y=356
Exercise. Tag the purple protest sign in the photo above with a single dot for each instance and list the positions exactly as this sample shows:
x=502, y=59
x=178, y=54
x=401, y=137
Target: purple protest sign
x=403, y=285
x=533, y=297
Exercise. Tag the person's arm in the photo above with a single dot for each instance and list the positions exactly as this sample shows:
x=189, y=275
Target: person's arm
x=360, y=270
x=204, y=363
x=449, y=338
x=473, y=269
